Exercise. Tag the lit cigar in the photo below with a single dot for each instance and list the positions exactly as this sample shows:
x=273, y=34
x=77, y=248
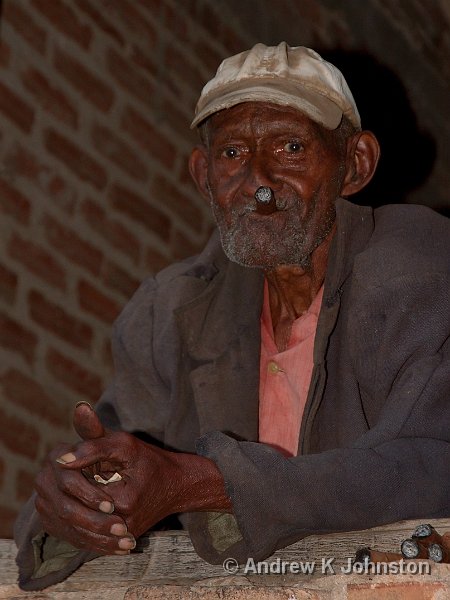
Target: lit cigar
x=265, y=200
x=427, y=534
x=438, y=553
x=412, y=548
x=367, y=555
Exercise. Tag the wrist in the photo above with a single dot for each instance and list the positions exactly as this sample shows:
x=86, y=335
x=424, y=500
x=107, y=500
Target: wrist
x=201, y=486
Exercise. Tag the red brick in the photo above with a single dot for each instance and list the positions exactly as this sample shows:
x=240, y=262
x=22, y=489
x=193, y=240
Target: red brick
x=184, y=176
x=179, y=64
x=117, y=279
x=96, y=303
x=88, y=8
x=73, y=375
x=143, y=60
x=395, y=591
x=167, y=194
x=23, y=163
x=182, y=247
x=5, y=54
x=151, y=5
x=55, y=319
x=72, y=246
x=140, y=210
x=107, y=355
x=133, y=19
x=77, y=160
x=30, y=395
x=15, y=337
x=179, y=122
x=15, y=109
x=310, y=11
x=49, y=97
x=232, y=41
x=7, y=518
x=91, y=87
x=61, y=15
x=155, y=260
x=62, y=195
x=13, y=203
x=148, y=137
x=208, y=55
x=118, y=152
x=37, y=260
x=129, y=78
x=210, y=20
x=24, y=24
x=8, y=284
x=24, y=485
x=18, y=436
x=118, y=236
x=176, y=23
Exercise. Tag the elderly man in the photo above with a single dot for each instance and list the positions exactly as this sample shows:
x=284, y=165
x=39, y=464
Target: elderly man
x=296, y=372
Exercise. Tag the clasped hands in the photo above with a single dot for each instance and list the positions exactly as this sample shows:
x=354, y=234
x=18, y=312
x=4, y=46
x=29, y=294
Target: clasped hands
x=107, y=519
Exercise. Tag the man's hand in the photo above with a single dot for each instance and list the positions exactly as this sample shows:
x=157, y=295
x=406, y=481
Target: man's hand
x=155, y=483
x=71, y=508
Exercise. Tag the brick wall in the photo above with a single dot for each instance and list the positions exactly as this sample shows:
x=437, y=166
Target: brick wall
x=94, y=195
x=96, y=97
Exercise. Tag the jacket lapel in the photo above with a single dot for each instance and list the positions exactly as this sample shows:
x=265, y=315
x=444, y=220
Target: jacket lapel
x=355, y=226
x=220, y=330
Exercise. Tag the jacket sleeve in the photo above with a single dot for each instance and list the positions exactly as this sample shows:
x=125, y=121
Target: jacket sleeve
x=399, y=469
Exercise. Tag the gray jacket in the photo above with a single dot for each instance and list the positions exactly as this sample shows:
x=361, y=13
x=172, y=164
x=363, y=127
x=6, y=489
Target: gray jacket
x=375, y=435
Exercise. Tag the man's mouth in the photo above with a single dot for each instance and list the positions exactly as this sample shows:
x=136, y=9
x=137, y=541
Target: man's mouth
x=280, y=205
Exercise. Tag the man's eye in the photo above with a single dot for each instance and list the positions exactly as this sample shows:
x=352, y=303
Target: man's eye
x=293, y=147
x=230, y=152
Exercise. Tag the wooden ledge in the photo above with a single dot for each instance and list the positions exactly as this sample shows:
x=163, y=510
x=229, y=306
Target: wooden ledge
x=166, y=566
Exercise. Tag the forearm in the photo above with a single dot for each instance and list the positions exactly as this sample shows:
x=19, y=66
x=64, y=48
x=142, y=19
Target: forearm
x=277, y=500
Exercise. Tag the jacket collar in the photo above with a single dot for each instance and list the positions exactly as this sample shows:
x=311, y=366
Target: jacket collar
x=230, y=306
x=355, y=226
x=227, y=309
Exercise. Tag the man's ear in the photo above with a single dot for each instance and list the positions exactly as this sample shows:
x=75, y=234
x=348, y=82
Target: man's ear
x=363, y=153
x=198, y=167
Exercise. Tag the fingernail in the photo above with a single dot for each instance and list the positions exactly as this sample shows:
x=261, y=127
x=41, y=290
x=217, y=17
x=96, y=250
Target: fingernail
x=106, y=507
x=118, y=529
x=83, y=402
x=122, y=552
x=66, y=458
x=127, y=543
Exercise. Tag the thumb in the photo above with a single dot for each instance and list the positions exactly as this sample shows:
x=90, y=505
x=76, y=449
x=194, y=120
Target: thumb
x=86, y=422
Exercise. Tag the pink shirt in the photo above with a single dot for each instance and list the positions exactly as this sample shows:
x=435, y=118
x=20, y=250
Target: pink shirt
x=285, y=377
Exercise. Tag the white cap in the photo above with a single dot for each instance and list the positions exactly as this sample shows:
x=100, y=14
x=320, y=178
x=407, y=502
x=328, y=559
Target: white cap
x=284, y=75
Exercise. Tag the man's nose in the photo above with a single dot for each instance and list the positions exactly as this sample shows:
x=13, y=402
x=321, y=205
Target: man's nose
x=260, y=173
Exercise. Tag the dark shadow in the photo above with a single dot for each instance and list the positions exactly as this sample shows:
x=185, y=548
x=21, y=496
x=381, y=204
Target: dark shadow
x=407, y=153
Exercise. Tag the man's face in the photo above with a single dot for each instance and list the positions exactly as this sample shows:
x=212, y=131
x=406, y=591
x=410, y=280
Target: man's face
x=257, y=144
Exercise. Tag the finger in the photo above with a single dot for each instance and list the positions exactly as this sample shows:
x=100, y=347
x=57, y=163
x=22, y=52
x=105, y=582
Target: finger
x=73, y=483
x=116, y=449
x=106, y=534
x=86, y=422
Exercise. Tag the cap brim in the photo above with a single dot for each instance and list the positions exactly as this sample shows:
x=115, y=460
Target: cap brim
x=317, y=107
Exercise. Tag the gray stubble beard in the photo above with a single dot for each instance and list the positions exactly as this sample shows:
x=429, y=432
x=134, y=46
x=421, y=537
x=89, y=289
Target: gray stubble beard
x=295, y=247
